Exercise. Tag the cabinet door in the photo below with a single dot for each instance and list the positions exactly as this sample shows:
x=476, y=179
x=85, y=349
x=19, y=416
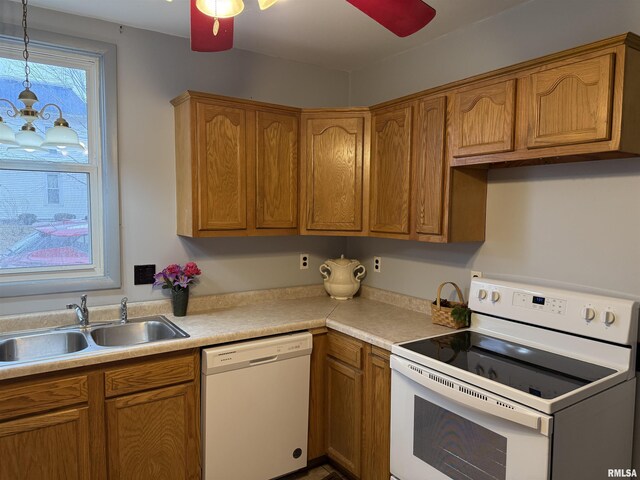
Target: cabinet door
x=334, y=171
x=484, y=119
x=571, y=103
x=276, y=170
x=429, y=164
x=344, y=415
x=153, y=435
x=391, y=171
x=222, y=165
x=377, y=423
x=317, y=395
x=52, y=446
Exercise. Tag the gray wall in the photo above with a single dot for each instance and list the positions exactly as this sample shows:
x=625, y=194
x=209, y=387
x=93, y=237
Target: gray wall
x=575, y=224
x=152, y=69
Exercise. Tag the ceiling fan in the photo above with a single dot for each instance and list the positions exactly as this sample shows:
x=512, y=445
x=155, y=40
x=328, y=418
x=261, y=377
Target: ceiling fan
x=212, y=20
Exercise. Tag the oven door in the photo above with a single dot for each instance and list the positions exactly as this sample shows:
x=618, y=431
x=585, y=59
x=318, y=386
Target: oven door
x=442, y=428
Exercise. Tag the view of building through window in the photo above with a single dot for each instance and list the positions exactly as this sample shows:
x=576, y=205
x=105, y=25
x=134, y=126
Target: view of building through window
x=45, y=195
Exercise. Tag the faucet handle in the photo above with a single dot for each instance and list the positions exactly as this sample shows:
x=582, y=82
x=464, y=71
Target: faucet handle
x=123, y=310
x=83, y=301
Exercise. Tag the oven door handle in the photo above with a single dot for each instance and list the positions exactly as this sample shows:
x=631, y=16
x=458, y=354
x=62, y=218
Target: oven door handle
x=471, y=397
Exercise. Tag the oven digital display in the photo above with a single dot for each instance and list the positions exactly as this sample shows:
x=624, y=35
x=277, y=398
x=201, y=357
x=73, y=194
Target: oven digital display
x=538, y=300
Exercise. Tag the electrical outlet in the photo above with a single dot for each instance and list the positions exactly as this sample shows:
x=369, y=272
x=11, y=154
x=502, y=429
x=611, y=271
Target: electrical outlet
x=377, y=264
x=475, y=274
x=304, y=261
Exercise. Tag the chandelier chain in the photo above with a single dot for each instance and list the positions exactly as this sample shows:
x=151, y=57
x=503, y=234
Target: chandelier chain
x=25, y=54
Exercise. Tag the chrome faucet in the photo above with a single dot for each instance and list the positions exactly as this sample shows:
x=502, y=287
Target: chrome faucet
x=123, y=310
x=82, y=312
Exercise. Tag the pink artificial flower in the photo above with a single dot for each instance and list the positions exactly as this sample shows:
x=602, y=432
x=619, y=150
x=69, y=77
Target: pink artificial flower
x=191, y=269
x=173, y=269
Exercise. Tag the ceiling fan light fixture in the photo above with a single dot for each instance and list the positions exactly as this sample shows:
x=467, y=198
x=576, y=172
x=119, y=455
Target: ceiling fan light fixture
x=264, y=4
x=220, y=8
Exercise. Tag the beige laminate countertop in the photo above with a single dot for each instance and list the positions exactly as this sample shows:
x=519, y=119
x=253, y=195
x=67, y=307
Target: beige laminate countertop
x=374, y=322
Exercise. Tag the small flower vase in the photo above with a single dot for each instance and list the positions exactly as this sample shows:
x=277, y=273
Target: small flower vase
x=180, y=301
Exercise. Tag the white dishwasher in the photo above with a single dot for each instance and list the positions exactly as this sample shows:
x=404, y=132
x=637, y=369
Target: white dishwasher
x=255, y=408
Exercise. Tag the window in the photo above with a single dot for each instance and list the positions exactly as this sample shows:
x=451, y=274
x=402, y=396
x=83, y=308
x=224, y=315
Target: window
x=53, y=189
x=58, y=226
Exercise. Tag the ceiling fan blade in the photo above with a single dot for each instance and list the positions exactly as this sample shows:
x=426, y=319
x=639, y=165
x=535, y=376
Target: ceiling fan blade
x=402, y=17
x=202, y=37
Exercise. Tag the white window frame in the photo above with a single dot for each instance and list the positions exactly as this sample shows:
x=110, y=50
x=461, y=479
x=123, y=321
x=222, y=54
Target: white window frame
x=99, y=61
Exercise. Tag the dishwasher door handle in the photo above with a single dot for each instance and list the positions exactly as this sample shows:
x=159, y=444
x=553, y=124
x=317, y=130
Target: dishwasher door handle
x=260, y=361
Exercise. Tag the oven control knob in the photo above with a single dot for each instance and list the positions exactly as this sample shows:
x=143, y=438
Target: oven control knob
x=482, y=294
x=495, y=296
x=608, y=317
x=588, y=314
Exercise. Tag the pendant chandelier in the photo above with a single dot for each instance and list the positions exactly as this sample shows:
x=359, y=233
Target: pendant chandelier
x=60, y=136
x=226, y=9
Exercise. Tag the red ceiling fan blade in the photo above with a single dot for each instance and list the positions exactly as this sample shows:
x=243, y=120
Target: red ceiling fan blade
x=202, y=37
x=402, y=17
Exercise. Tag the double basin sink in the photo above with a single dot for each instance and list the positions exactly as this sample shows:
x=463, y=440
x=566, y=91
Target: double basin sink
x=55, y=342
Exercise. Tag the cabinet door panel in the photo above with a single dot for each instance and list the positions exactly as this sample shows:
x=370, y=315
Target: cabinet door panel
x=484, y=119
x=334, y=174
x=377, y=430
x=429, y=164
x=222, y=182
x=571, y=103
x=391, y=171
x=153, y=435
x=53, y=446
x=344, y=415
x=276, y=170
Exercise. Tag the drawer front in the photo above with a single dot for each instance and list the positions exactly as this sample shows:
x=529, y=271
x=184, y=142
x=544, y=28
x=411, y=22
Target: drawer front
x=31, y=397
x=345, y=349
x=149, y=374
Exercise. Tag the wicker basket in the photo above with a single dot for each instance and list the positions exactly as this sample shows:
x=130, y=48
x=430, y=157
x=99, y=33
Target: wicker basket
x=442, y=315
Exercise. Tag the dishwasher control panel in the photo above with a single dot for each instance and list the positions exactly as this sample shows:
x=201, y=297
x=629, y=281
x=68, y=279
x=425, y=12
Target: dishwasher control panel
x=255, y=352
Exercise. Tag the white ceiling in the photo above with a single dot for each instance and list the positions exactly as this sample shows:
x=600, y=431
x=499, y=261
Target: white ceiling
x=330, y=33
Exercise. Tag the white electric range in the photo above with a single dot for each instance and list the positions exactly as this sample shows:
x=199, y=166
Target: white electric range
x=542, y=385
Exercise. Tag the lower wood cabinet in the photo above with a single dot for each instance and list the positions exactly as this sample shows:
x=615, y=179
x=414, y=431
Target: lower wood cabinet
x=356, y=381
x=49, y=446
x=344, y=415
x=153, y=434
x=137, y=419
x=377, y=416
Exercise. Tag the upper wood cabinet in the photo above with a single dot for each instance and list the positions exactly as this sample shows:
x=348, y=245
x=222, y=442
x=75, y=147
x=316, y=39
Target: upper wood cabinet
x=429, y=164
x=276, y=171
x=391, y=170
x=222, y=167
x=484, y=119
x=579, y=104
x=334, y=172
x=571, y=103
x=236, y=167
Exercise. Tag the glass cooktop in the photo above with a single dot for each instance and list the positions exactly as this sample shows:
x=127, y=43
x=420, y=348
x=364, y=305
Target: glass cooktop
x=544, y=374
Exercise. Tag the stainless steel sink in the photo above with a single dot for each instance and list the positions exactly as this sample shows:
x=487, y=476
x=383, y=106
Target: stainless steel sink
x=34, y=346
x=142, y=330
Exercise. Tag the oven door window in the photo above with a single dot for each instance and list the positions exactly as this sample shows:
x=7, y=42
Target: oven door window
x=456, y=446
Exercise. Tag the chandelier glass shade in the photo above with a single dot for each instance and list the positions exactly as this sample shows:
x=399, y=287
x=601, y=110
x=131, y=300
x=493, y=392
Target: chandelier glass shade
x=60, y=136
x=220, y=8
x=264, y=4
